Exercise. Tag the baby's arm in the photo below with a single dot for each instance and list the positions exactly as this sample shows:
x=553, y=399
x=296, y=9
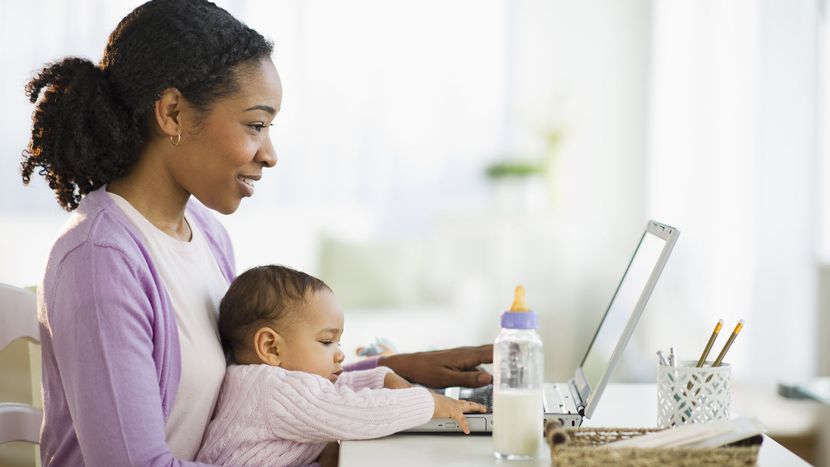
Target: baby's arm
x=393, y=381
x=376, y=378
x=383, y=377
x=364, y=379
x=308, y=408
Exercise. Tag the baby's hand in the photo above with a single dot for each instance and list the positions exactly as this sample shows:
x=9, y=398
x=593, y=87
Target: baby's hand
x=447, y=407
x=393, y=381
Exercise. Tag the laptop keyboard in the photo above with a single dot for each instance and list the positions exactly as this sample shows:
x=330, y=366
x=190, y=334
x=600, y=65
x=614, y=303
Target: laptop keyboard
x=556, y=398
x=482, y=395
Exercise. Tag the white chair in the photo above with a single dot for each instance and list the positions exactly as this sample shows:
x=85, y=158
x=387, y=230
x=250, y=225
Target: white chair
x=18, y=320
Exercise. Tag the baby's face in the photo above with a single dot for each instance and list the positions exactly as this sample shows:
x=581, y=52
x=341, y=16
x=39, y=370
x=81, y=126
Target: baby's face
x=312, y=341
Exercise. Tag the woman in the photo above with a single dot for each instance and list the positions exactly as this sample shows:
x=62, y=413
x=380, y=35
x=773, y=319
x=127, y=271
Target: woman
x=179, y=107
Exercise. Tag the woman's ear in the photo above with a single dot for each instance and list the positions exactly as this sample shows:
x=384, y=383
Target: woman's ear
x=268, y=345
x=167, y=111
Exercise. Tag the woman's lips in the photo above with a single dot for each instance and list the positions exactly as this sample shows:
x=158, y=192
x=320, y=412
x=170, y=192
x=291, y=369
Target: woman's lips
x=247, y=185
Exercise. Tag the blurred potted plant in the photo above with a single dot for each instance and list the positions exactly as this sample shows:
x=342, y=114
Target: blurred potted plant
x=526, y=182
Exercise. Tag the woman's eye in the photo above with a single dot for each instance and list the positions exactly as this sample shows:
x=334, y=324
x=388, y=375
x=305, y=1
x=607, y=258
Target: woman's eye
x=258, y=126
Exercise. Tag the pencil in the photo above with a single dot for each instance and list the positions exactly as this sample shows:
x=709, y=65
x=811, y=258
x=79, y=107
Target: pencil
x=734, y=334
x=722, y=353
x=662, y=358
x=709, y=344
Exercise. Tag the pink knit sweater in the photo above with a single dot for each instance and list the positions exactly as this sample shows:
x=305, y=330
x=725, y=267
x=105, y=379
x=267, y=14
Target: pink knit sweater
x=270, y=416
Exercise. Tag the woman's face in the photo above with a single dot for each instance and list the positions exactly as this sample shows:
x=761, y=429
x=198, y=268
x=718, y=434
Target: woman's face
x=222, y=153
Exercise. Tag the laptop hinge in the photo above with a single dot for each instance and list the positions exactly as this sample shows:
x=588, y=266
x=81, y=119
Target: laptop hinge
x=577, y=398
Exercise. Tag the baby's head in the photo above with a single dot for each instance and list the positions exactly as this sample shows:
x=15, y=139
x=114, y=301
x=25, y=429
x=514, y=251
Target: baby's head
x=282, y=317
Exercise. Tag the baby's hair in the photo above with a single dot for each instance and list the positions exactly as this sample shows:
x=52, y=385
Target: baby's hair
x=259, y=296
x=92, y=121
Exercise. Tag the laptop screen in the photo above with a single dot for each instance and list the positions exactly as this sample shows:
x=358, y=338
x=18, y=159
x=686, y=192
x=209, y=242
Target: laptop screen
x=624, y=303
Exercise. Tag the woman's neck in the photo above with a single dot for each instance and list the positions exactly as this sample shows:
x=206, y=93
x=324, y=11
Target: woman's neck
x=152, y=191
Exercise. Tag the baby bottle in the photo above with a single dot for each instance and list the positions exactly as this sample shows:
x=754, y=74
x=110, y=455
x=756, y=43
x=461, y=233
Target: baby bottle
x=518, y=371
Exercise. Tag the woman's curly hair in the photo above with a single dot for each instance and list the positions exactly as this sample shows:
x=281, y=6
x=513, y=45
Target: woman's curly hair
x=91, y=122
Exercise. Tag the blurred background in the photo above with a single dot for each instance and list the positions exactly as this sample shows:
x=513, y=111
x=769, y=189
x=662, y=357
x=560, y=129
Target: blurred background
x=434, y=154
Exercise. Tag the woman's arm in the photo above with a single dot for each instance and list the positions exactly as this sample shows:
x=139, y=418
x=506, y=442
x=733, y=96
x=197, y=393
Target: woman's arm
x=437, y=369
x=102, y=321
x=443, y=368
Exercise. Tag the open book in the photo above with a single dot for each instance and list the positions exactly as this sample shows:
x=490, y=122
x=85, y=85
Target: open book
x=696, y=435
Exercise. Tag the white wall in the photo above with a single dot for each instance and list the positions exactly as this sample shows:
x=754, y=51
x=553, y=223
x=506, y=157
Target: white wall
x=733, y=160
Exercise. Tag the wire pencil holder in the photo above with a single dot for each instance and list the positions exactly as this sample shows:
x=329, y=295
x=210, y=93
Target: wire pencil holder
x=686, y=394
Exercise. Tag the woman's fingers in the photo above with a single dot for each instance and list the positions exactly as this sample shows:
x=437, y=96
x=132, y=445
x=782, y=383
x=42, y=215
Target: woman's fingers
x=469, y=378
x=443, y=368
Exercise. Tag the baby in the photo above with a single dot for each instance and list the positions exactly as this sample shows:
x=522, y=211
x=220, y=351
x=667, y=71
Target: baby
x=285, y=394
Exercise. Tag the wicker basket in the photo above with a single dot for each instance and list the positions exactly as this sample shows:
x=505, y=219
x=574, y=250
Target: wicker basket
x=576, y=447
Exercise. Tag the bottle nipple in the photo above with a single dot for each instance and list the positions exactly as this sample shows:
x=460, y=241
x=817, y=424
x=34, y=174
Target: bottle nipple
x=519, y=304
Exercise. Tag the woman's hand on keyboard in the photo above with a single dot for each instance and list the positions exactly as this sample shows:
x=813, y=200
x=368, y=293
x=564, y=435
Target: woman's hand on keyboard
x=443, y=368
x=447, y=407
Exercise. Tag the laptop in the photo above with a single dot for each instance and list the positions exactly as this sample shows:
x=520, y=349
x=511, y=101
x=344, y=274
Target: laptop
x=571, y=401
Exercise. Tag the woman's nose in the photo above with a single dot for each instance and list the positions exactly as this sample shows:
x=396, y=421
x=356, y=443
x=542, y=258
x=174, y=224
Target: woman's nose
x=266, y=155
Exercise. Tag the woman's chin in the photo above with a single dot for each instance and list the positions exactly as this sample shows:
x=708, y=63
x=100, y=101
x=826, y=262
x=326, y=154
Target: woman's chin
x=224, y=207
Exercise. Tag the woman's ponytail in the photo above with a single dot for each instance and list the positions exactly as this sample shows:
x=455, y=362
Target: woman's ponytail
x=81, y=136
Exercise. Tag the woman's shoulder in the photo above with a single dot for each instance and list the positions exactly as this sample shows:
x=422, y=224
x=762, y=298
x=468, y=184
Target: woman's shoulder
x=98, y=244
x=97, y=224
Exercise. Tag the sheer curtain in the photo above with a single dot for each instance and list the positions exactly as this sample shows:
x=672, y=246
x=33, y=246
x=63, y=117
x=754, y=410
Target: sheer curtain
x=732, y=162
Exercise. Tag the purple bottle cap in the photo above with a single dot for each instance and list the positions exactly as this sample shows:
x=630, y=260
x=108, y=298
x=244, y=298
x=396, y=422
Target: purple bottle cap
x=519, y=320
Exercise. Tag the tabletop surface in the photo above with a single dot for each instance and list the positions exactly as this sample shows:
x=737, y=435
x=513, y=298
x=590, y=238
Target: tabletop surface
x=622, y=405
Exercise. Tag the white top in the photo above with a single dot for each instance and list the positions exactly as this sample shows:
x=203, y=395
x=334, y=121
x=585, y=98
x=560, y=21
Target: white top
x=195, y=285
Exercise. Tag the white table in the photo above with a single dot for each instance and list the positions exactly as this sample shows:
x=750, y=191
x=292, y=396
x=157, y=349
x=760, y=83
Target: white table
x=622, y=405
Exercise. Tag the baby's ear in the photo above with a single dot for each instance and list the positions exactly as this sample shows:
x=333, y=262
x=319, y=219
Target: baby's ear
x=267, y=345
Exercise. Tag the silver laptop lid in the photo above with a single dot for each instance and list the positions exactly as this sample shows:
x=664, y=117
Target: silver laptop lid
x=623, y=312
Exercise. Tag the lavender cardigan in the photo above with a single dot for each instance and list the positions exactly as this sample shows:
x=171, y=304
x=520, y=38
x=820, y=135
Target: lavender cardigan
x=111, y=361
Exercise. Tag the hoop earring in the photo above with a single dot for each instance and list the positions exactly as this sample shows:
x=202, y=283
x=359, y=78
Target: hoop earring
x=175, y=140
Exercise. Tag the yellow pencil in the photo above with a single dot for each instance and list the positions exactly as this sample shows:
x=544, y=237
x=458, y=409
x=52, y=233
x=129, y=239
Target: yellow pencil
x=709, y=344
x=722, y=353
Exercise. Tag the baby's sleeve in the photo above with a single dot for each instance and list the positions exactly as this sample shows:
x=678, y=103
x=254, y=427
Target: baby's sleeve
x=365, y=364
x=363, y=379
x=308, y=408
